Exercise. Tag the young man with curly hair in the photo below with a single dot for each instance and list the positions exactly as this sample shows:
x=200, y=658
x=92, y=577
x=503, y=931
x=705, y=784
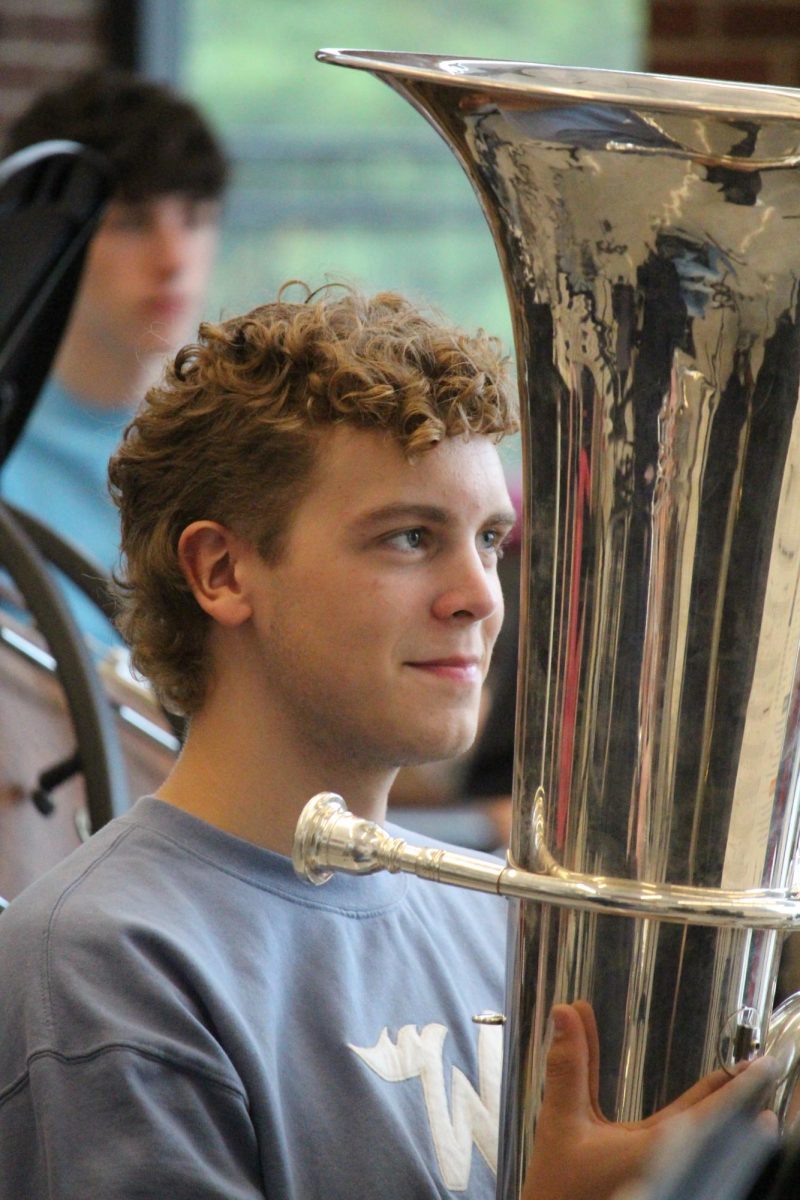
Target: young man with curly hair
x=312, y=511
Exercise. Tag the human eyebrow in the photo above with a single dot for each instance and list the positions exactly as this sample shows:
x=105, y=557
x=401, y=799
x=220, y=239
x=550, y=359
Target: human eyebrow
x=429, y=514
x=122, y=214
x=504, y=517
x=403, y=513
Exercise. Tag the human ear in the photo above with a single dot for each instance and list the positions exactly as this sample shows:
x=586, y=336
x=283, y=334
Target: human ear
x=210, y=557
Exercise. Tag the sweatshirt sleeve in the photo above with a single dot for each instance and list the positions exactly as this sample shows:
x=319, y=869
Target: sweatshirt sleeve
x=124, y=1124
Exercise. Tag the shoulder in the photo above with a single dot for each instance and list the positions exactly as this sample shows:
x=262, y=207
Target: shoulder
x=101, y=956
x=53, y=929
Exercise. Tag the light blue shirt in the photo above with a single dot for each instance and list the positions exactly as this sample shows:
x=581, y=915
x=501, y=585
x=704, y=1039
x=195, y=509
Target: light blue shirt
x=58, y=472
x=184, y=1017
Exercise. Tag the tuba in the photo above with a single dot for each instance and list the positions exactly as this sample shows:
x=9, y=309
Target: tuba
x=649, y=233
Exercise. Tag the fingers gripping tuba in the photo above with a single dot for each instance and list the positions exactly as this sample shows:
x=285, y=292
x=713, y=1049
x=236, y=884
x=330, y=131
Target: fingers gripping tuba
x=649, y=232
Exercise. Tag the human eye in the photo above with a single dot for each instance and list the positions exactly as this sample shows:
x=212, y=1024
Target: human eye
x=407, y=540
x=492, y=541
x=126, y=218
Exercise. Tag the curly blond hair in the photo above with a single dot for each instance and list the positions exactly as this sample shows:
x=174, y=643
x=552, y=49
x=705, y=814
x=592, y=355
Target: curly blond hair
x=231, y=435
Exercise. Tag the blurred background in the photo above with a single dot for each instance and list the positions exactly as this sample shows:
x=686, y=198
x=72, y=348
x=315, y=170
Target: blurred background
x=334, y=173
x=336, y=176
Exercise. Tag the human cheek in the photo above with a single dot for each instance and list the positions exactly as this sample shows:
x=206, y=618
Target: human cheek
x=382, y=617
x=493, y=625
x=102, y=265
x=201, y=249
x=109, y=288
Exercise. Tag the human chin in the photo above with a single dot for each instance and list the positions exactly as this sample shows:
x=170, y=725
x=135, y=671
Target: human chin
x=165, y=335
x=446, y=737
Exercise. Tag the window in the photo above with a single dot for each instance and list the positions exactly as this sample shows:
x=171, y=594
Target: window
x=336, y=176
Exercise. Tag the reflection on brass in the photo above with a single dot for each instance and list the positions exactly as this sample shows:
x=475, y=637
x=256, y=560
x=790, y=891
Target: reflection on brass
x=489, y=1018
x=649, y=233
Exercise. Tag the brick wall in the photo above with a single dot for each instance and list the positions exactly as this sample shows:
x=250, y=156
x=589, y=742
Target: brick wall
x=753, y=42
x=43, y=42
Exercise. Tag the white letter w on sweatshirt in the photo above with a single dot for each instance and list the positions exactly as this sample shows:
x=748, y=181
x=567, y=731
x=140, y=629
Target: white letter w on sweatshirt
x=475, y=1115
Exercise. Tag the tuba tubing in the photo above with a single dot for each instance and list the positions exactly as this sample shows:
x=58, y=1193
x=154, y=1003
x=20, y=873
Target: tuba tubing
x=329, y=838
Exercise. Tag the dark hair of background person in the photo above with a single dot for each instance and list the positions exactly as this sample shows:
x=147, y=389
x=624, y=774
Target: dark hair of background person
x=156, y=141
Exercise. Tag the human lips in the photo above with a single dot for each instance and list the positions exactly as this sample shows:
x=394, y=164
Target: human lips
x=167, y=307
x=458, y=668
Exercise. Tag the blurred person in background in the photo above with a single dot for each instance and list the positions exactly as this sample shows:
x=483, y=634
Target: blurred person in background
x=143, y=286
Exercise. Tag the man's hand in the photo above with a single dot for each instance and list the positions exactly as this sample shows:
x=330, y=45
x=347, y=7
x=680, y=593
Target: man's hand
x=577, y=1153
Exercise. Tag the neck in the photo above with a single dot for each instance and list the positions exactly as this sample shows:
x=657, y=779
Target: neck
x=104, y=376
x=252, y=775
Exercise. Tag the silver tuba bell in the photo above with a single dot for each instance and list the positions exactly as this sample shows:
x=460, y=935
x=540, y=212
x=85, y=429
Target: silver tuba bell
x=649, y=233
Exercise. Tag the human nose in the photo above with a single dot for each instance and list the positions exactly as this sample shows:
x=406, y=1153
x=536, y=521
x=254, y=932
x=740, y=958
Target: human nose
x=170, y=246
x=471, y=590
